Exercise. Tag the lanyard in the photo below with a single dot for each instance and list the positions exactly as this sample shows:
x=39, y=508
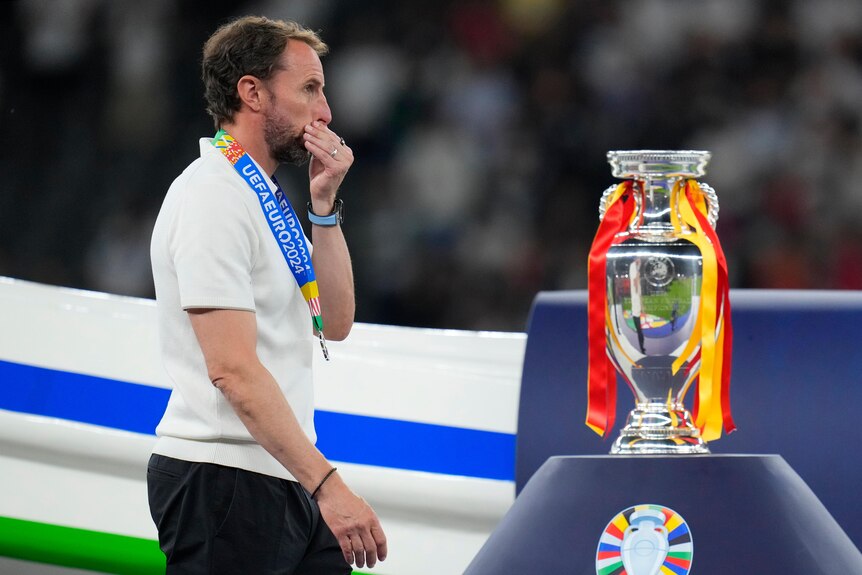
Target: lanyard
x=283, y=224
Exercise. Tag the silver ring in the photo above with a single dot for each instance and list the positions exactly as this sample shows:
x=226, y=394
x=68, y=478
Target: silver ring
x=333, y=152
x=342, y=142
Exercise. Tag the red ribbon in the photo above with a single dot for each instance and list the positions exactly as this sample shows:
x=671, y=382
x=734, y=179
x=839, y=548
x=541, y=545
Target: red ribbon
x=601, y=381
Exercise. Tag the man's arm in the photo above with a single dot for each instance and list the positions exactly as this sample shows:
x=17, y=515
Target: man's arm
x=228, y=340
x=330, y=258
x=334, y=279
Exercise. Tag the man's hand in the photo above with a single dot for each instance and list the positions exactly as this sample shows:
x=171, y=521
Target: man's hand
x=353, y=522
x=331, y=258
x=330, y=160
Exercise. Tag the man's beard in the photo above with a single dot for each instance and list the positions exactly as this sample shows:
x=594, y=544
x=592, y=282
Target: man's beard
x=285, y=146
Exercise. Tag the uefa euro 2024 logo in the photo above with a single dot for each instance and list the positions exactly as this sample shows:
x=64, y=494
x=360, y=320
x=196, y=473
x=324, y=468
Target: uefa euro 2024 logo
x=645, y=540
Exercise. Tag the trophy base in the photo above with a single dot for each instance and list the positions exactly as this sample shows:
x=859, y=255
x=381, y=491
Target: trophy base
x=659, y=429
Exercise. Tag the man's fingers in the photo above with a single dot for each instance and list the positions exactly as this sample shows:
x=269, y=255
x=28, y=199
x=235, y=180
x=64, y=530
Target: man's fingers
x=320, y=153
x=370, y=548
x=346, y=549
x=331, y=142
x=358, y=550
x=325, y=138
x=380, y=540
x=327, y=142
x=356, y=528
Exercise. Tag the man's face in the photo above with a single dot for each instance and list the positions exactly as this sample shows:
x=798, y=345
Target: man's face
x=296, y=99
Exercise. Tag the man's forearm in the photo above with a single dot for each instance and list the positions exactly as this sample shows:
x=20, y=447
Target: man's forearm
x=263, y=409
x=228, y=342
x=334, y=273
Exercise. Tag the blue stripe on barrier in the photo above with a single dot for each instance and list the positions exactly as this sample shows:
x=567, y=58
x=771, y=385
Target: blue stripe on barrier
x=342, y=437
x=416, y=446
x=79, y=397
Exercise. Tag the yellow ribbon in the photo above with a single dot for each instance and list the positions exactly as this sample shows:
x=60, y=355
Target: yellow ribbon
x=708, y=327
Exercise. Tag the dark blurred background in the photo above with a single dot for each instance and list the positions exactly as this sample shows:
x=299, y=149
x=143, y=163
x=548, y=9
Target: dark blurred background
x=480, y=130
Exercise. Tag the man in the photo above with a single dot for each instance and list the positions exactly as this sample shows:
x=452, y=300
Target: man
x=235, y=482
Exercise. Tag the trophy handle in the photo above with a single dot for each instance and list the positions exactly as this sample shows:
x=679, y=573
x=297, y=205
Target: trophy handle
x=606, y=196
x=708, y=191
x=711, y=203
x=603, y=203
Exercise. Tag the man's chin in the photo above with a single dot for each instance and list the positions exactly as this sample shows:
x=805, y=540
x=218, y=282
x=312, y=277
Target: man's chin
x=294, y=158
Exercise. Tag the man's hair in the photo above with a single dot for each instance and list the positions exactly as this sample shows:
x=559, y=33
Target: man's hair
x=248, y=45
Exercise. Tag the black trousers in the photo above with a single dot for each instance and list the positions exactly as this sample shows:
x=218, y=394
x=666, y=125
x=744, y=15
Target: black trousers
x=215, y=520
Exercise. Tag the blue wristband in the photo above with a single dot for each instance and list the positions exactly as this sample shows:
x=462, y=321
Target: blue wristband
x=333, y=219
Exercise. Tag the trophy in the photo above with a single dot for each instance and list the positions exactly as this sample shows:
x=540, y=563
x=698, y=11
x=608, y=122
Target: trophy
x=659, y=313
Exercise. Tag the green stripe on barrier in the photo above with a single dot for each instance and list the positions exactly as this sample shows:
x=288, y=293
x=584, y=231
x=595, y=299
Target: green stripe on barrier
x=81, y=548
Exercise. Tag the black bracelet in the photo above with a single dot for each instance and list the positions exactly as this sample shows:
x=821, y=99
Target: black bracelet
x=322, y=481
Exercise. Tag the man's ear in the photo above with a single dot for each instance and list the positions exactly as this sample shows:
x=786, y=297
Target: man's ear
x=249, y=90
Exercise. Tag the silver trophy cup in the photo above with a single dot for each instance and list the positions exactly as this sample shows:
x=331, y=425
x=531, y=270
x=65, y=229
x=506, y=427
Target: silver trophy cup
x=654, y=278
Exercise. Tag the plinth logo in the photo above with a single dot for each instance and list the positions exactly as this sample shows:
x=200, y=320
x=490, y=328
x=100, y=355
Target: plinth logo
x=645, y=540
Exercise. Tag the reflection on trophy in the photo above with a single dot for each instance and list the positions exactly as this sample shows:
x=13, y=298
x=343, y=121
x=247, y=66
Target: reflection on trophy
x=659, y=313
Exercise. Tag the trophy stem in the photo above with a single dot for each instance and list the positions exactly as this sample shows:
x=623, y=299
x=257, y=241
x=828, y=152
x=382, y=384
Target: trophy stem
x=659, y=428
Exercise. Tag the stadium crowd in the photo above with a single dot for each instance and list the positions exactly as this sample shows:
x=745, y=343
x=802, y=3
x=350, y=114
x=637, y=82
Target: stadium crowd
x=480, y=130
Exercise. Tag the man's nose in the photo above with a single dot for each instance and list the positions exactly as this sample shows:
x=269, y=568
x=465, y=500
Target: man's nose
x=324, y=114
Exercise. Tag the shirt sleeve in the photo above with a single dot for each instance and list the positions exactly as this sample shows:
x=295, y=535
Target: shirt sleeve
x=214, y=246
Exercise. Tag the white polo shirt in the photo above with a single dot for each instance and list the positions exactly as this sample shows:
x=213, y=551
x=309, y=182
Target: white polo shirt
x=212, y=248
